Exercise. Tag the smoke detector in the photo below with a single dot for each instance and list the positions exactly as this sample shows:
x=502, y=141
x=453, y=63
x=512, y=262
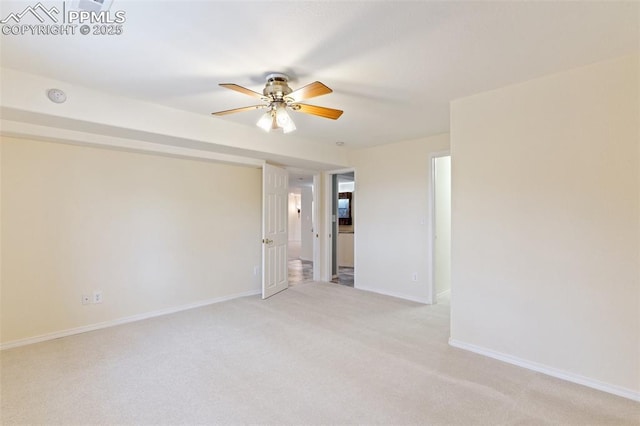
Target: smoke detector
x=56, y=95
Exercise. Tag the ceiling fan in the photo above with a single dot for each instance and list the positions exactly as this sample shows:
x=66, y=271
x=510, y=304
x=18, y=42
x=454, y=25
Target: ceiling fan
x=279, y=98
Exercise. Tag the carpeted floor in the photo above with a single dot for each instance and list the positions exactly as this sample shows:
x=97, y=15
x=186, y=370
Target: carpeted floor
x=314, y=354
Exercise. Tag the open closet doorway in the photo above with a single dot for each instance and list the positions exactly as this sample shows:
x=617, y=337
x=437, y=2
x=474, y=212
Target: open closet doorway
x=302, y=216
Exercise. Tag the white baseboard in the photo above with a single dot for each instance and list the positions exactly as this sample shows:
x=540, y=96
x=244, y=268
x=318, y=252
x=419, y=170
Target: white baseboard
x=119, y=321
x=393, y=294
x=550, y=371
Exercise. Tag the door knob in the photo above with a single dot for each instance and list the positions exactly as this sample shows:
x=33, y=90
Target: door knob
x=267, y=241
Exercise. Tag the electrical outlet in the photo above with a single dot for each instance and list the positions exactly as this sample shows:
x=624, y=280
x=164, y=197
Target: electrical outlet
x=256, y=270
x=97, y=297
x=86, y=299
x=414, y=276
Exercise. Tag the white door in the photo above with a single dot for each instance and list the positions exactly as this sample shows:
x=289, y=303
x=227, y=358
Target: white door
x=275, y=186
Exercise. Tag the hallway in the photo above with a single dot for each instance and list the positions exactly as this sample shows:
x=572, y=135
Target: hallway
x=301, y=271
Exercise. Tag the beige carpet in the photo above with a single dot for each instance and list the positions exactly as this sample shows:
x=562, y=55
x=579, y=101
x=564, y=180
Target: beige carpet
x=314, y=354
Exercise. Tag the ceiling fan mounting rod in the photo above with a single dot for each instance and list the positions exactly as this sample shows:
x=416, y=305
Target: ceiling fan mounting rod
x=277, y=76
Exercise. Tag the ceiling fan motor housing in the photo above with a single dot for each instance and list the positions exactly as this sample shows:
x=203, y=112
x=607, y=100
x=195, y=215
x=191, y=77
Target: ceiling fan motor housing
x=277, y=88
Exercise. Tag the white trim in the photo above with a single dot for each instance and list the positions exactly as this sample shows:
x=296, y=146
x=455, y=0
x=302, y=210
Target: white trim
x=422, y=300
x=316, y=190
x=325, y=267
x=549, y=371
x=342, y=171
x=354, y=222
x=120, y=321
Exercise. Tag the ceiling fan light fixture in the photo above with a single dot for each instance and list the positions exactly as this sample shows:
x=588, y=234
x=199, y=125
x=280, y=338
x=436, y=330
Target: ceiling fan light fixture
x=283, y=119
x=290, y=127
x=266, y=121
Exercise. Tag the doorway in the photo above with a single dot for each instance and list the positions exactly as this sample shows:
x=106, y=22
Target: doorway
x=301, y=216
x=343, y=221
x=441, y=225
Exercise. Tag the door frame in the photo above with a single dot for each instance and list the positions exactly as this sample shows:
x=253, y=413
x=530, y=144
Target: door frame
x=431, y=261
x=316, y=218
x=327, y=235
x=317, y=267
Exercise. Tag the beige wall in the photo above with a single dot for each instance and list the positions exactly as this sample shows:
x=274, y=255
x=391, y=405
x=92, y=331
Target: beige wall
x=546, y=223
x=151, y=232
x=392, y=238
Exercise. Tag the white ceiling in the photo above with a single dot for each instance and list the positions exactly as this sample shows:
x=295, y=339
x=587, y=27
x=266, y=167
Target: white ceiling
x=394, y=66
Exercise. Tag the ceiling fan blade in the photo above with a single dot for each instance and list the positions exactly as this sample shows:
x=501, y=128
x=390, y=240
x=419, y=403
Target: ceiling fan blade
x=231, y=111
x=242, y=90
x=331, y=113
x=309, y=91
